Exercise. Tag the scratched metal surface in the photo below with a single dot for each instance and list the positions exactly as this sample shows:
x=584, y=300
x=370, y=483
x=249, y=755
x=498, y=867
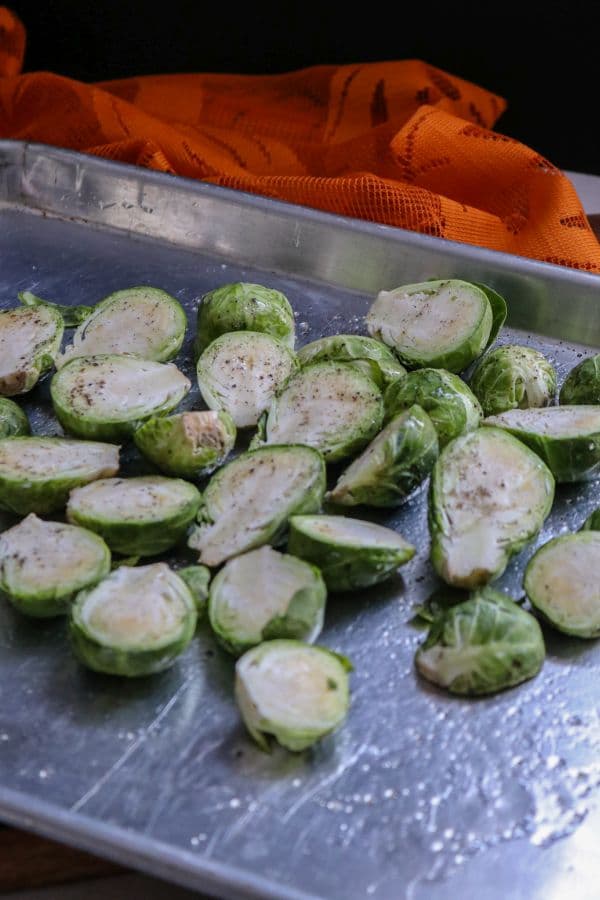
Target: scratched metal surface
x=419, y=796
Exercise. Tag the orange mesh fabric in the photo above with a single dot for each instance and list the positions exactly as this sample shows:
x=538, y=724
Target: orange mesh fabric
x=401, y=143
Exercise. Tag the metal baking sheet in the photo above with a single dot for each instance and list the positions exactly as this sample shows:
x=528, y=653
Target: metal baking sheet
x=420, y=796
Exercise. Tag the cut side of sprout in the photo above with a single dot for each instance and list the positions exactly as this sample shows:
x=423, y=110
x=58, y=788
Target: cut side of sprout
x=330, y=406
x=293, y=692
x=561, y=581
x=134, y=622
x=567, y=438
x=108, y=397
x=248, y=502
x=241, y=371
x=37, y=473
x=489, y=496
x=29, y=342
x=188, y=444
x=443, y=324
x=266, y=594
x=351, y=553
x=140, y=516
x=145, y=321
x=43, y=564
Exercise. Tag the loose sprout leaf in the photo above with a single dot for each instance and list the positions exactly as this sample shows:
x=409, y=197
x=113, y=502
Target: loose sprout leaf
x=13, y=420
x=439, y=602
x=582, y=384
x=512, y=377
x=197, y=579
x=368, y=354
x=188, y=444
x=29, y=342
x=71, y=315
x=499, y=310
x=242, y=306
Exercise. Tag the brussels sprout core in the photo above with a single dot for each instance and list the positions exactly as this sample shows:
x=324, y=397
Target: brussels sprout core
x=561, y=581
x=511, y=377
x=42, y=564
x=29, y=341
x=290, y=691
x=189, y=444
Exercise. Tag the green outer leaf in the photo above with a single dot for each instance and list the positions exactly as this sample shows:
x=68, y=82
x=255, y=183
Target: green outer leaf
x=42, y=354
x=188, y=444
x=71, y=315
x=13, y=420
x=582, y=384
x=89, y=425
x=499, y=310
x=197, y=579
x=149, y=534
x=554, y=606
x=440, y=525
x=512, y=377
x=485, y=644
x=592, y=523
x=448, y=401
x=374, y=358
x=396, y=462
x=23, y=492
x=242, y=306
x=440, y=601
x=345, y=566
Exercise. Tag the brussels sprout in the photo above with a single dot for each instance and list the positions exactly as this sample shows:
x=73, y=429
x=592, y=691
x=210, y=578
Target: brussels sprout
x=330, y=406
x=197, y=579
x=37, y=473
x=483, y=645
x=143, y=320
x=248, y=502
x=293, y=692
x=188, y=444
x=350, y=553
x=29, y=342
x=241, y=371
x=489, y=495
x=107, y=397
x=567, y=438
x=449, y=402
x=396, y=462
x=134, y=622
x=244, y=307
x=512, y=377
x=265, y=594
x=71, y=315
x=43, y=564
x=561, y=581
x=582, y=384
x=374, y=358
x=443, y=324
x=13, y=421
x=144, y=516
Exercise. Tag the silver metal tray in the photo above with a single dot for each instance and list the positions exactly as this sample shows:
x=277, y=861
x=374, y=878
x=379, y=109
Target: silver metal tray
x=420, y=795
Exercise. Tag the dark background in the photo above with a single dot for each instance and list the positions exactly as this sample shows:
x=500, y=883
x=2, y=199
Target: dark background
x=542, y=57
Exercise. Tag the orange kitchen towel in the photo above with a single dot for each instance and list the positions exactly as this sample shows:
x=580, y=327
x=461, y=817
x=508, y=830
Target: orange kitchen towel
x=401, y=143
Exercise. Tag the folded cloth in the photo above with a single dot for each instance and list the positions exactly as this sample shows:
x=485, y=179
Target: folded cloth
x=401, y=143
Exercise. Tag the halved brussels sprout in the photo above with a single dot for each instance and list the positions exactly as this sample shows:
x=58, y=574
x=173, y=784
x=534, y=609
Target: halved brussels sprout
x=330, y=406
x=108, y=397
x=71, y=315
x=134, y=622
x=485, y=644
x=248, y=502
x=443, y=324
x=567, y=438
x=37, y=473
x=29, y=342
x=145, y=321
x=293, y=692
x=188, y=444
x=365, y=353
x=265, y=594
x=350, y=553
x=13, y=421
x=144, y=516
x=396, y=462
x=197, y=579
x=241, y=371
x=43, y=564
x=582, y=384
x=242, y=306
x=448, y=401
x=489, y=496
x=561, y=581
x=512, y=377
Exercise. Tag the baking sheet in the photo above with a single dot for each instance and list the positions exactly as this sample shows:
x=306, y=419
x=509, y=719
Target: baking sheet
x=420, y=795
